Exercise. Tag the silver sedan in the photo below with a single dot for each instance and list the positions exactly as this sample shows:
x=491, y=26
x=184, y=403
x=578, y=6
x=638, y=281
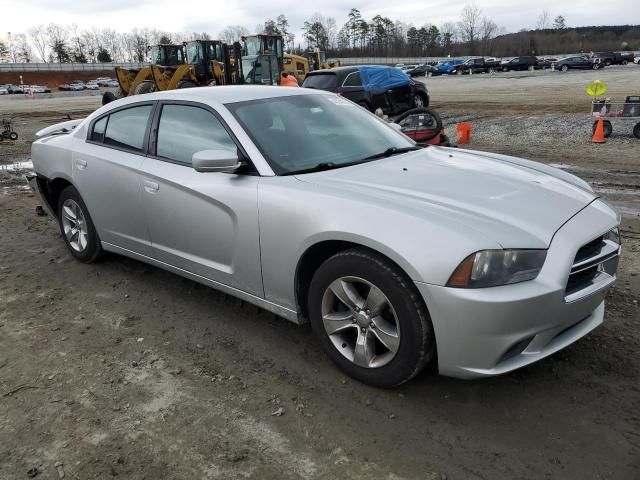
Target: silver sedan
x=306, y=205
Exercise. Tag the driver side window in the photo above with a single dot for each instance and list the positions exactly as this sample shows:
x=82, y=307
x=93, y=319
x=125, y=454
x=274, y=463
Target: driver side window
x=184, y=130
x=352, y=80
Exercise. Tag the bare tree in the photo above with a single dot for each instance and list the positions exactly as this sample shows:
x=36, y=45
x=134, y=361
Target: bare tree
x=19, y=48
x=38, y=37
x=469, y=25
x=448, y=36
x=232, y=33
x=488, y=30
x=544, y=21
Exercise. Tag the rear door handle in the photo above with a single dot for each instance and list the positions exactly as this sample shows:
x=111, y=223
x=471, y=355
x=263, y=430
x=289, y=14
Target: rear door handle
x=151, y=187
x=81, y=164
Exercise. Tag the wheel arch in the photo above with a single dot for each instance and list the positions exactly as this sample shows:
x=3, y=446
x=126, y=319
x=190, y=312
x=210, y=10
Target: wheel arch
x=318, y=252
x=53, y=189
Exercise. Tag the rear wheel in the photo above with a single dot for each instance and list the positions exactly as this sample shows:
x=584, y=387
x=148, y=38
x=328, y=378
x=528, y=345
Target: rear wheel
x=144, y=87
x=186, y=84
x=564, y=68
x=370, y=319
x=418, y=101
x=77, y=227
x=624, y=62
x=13, y=136
x=607, y=63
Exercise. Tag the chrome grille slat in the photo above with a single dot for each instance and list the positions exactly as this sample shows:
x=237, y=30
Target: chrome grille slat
x=593, y=269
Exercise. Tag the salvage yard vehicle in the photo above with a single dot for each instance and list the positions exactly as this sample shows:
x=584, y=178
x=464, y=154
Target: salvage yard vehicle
x=519, y=63
x=476, y=65
x=372, y=87
x=577, y=62
x=446, y=67
x=3, y=90
x=422, y=70
x=300, y=202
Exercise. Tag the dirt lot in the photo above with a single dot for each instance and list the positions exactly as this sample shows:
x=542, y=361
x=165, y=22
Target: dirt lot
x=121, y=369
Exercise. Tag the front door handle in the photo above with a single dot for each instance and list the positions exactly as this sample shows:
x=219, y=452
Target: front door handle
x=81, y=164
x=151, y=187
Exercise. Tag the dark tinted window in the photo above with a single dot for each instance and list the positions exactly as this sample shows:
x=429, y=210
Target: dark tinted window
x=97, y=135
x=185, y=130
x=126, y=128
x=353, y=80
x=323, y=81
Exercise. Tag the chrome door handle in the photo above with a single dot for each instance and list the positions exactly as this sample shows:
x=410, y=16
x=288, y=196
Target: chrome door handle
x=81, y=164
x=151, y=187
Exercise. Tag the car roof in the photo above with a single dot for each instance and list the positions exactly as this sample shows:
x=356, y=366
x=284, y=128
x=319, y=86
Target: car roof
x=226, y=94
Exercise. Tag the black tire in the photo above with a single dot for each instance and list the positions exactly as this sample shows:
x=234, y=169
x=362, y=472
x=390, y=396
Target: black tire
x=596, y=66
x=564, y=68
x=108, y=97
x=636, y=130
x=145, y=87
x=416, y=346
x=186, y=84
x=625, y=62
x=607, y=127
x=13, y=136
x=93, y=249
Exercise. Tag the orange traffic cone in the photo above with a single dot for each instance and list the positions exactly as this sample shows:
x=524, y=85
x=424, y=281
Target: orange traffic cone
x=598, y=134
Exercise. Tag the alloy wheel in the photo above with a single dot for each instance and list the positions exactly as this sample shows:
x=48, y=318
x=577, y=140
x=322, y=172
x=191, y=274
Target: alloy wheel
x=74, y=225
x=360, y=322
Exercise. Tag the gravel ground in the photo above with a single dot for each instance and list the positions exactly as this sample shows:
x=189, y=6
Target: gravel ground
x=122, y=369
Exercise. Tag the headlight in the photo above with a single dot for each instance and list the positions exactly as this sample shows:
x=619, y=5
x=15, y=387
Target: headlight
x=490, y=268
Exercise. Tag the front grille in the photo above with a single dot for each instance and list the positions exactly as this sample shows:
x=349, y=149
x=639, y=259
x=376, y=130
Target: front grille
x=589, y=250
x=594, y=265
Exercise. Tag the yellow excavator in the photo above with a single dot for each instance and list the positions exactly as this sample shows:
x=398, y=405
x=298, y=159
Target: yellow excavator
x=208, y=63
x=318, y=60
x=134, y=81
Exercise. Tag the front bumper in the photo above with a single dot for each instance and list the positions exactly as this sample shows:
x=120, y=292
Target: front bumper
x=490, y=331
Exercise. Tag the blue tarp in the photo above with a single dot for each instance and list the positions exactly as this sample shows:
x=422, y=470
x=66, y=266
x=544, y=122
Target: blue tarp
x=376, y=78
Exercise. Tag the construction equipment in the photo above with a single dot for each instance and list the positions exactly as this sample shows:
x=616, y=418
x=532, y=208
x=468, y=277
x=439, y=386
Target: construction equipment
x=139, y=80
x=296, y=65
x=262, y=59
x=208, y=62
x=318, y=60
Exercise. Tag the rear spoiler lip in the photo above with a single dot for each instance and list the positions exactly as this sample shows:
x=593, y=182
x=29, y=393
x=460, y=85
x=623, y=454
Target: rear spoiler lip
x=59, y=128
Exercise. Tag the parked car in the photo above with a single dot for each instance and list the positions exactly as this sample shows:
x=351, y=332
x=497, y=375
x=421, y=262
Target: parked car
x=623, y=58
x=546, y=62
x=398, y=95
x=578, y=62
x=14, y=89
x=445, y=67
x=92, y=86
x=519, y=63
x=476, y=65
x=112, y=83
x=636, y=59
x=4, y=90
x=613, y=58
x=295, y=200
x=422, y=70
x=104, y=81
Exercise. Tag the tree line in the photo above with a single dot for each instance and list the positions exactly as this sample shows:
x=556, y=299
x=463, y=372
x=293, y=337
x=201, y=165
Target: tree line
x=473, y=34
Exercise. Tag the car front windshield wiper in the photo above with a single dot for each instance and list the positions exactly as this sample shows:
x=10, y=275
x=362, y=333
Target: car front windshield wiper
x=321, y=167
x=393, y=151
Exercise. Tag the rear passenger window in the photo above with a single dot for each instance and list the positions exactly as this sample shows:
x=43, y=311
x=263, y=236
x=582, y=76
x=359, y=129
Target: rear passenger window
x=185, y=130
x=97, y=135
x=352, y=80
x=126, y=128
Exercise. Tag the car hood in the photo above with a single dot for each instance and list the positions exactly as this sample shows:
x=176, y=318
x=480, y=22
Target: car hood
x=515, y=202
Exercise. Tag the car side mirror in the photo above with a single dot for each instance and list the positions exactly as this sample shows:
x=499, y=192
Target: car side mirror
x=215, y=161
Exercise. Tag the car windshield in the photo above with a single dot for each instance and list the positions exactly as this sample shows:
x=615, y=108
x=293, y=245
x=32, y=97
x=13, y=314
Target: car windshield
x=303, y=132
x=323, y=81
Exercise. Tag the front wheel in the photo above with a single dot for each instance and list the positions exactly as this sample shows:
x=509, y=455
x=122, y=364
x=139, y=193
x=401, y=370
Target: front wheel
x=596, y=66
x=564, y=68
x=77, y=227
x=370, y=319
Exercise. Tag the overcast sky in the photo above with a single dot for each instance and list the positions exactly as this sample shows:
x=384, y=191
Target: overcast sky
x=212, y=16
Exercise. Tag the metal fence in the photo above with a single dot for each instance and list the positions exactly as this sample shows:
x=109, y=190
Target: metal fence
x=66, y=67
x=391, y=60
